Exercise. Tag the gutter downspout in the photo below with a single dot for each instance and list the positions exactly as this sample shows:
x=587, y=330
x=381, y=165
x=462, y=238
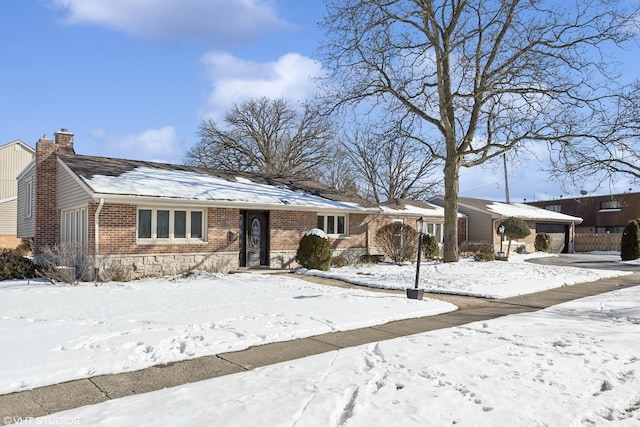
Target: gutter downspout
x=96, y=236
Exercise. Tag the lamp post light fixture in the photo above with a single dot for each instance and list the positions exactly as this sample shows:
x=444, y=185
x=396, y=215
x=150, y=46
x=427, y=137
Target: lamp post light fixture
x=415, y=293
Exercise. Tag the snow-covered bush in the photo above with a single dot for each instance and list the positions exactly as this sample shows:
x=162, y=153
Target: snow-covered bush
x=314, y=251
x=630, y=243
x=398, y=241
x=542, y=242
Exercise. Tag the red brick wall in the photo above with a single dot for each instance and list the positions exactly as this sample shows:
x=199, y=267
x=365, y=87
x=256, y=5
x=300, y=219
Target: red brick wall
x=47, y=217
x=117, y=231
x=287, y=228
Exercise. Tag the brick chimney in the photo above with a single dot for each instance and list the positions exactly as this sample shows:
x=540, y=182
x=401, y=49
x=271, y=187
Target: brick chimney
x=47, y=218
x=64, y=141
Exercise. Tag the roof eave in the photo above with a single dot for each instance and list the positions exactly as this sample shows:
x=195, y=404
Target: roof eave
x=174, y=201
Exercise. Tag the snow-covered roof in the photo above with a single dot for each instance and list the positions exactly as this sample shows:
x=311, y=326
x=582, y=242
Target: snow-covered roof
x=520, y=210
x=413, y=208
x=130, y=178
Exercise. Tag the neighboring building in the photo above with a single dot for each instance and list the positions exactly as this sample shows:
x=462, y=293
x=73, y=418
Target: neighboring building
x=600, y=214
x=14, y=156
x=484, y=216
x=158, y=218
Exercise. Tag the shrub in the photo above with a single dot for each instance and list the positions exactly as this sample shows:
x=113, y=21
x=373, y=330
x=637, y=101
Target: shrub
x=339, y=261
x=542, y=242
x=484, y=256
x=398, y=241
x=630, y=243
x=314, y=251
x=430, y=247
x=67, y=262
x=15, y=266
x=370, y=259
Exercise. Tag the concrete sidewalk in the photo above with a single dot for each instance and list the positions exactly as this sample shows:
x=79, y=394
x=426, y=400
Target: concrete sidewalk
x=59, y=397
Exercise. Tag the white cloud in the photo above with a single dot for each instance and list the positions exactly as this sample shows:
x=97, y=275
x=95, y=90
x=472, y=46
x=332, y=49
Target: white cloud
x=161, y=145
x=221, y=21
x=235, y=80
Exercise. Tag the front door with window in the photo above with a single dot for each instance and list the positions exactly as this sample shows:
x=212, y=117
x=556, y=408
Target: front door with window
x=254, y=242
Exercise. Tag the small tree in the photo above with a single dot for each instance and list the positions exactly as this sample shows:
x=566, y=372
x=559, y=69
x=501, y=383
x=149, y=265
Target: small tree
x=314, y=251
x=630, y=244
x=514, y=228
x=430, y=247
x=543, y=242
x=398, y=241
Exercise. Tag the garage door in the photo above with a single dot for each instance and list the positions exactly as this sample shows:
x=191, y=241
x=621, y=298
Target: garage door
x=558, y=234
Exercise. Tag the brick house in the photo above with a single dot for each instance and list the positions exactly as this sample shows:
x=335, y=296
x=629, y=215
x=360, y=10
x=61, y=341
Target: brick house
x=157, y=218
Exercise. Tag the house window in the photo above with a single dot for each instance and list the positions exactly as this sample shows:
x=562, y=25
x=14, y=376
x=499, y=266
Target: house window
x=554, y=208
x=435, y=230
x=28, y=199
x=333, y=224
x=74, y=226
x=170, y=225
x=610, y=204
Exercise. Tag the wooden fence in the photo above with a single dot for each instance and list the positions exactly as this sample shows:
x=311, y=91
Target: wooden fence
x=587, y=242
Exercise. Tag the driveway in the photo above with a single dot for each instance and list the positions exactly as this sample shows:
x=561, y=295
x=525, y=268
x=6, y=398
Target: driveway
x=588, y=260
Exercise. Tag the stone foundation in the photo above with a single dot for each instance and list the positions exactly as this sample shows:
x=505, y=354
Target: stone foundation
x=167, y=264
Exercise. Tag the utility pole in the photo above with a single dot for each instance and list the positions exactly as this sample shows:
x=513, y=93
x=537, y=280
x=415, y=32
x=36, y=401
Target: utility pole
x=506, y=178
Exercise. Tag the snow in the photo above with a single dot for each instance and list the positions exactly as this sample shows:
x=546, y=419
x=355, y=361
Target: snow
x=317, y=232
x=430, y=210
x=495, y=279
x=147, y=181
x=574, y=364
x=521, y=210
x=58, y=333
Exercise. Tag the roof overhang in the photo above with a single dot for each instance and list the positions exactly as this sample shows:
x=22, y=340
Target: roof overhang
x=153, y=201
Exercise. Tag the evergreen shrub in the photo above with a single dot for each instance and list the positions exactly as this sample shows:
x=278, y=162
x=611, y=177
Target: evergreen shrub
x=314, y=251
x=630, y=243
x=430, y=247
x=542, y=242
x=15, y=266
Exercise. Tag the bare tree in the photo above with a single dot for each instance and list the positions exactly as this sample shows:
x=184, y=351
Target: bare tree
x=390, y=165
x=475, y=77
x=339, y=172
x=266, y=136
x=609, y=153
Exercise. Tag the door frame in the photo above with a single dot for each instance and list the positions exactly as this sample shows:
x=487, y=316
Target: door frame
x=246, y=218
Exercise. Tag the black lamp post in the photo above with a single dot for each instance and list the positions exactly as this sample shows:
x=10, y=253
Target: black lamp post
x=415, y=293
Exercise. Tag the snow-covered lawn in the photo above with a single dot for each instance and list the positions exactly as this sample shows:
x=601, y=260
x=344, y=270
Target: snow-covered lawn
x=574, y=364
x=50, y=334
x=496, y=279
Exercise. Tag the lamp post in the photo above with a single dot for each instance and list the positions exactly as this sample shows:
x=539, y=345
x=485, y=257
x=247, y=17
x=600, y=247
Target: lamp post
x=501, y=231
x=415, y=293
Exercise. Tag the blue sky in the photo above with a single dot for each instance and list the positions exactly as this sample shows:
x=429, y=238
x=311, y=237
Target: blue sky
x=134, y=78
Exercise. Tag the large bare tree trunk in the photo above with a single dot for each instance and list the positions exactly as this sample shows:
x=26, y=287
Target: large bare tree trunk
x=451, y=188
